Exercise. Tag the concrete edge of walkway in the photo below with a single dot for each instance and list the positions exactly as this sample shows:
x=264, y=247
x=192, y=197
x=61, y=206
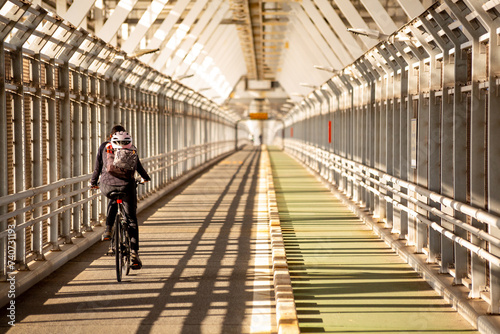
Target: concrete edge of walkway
x=23, y=280
x=286, y=313
x=482, y=321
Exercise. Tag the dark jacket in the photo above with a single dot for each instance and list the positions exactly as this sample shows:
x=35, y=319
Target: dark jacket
x=107, y=178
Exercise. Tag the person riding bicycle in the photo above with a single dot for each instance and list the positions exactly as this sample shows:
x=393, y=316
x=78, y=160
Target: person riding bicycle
x=119, y=139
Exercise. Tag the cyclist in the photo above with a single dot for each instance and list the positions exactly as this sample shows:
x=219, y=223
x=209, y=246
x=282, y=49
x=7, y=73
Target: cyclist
x=119, y=138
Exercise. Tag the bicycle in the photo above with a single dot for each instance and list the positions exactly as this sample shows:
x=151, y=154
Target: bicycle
x=120, y=240
x=120, y=245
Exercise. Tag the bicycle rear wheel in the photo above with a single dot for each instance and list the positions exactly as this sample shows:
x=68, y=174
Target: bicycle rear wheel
x=118, y=249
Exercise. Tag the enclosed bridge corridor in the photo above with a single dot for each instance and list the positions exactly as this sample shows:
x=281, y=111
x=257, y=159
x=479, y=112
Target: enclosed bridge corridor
x=317, y=166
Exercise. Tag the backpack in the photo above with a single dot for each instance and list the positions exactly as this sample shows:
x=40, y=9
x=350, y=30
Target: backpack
x=121, y=162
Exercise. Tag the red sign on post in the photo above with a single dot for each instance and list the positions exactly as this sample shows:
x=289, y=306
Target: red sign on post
x=329, y=131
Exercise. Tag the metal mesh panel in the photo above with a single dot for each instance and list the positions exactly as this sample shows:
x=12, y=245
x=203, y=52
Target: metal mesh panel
x=45, y=172
x=468, y=219
x=56, y=77
x=43, y=75
x=10, y=149
x=57, y=136
x=26, y=71
x=28, y=159
x=8, y=67
x=469, y=66
x=71, y=85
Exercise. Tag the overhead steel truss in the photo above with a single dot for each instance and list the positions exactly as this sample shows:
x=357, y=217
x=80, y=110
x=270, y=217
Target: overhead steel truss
x=410, y=130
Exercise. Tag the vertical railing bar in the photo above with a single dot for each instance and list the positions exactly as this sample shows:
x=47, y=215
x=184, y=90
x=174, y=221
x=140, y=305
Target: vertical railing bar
x=53, y=158
x=4, y=177
x=37, y=242
x=86, y=128
x=66, y=143
x=77, y=151
x=19, y=148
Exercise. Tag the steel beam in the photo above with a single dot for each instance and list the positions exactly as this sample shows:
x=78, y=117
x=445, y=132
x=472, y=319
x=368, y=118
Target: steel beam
x=339, y=27
x=200, y=45
x=380, y=16
x=319, y=21
x=191, y=38
x=77, y=12
x=355, y=20
x=144, y=24
x=174, y=42
x=303, y=23
x=115, y=21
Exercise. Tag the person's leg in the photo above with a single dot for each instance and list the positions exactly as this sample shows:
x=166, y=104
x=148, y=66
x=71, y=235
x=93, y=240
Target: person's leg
x=111, y=211
x=130, y=206
x=111, y=214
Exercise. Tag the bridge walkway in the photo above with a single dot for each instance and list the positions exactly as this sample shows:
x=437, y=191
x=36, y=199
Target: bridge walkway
x=206, y=254
x=207, y=266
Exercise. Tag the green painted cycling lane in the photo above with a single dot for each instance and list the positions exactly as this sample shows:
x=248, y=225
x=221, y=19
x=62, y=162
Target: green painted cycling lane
x=345, y=279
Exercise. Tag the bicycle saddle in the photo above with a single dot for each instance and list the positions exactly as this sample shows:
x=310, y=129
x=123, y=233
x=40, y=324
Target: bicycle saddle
x=117, y=195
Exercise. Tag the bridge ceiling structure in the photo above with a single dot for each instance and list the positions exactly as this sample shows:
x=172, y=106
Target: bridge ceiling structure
x=246, y=55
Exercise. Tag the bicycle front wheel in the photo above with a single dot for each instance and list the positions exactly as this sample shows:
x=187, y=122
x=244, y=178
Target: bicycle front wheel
x=118, y=249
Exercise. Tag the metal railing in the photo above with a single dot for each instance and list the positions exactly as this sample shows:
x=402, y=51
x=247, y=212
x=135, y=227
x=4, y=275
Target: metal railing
x=410, y=132
x=350, y=176
x=62, y=91
x=86, y=201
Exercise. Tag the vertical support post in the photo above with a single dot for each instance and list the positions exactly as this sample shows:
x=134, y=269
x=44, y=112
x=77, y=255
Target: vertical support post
x=403, y=136
x=434, y=155
x=422, y=149
x=85, y=140
x=37, y=242
x=170, y=144
x=460, y=127
x=53, y=157
x=4, y=177
x=460, y=159
x=19, y=149
x=477, y=159
x=370, y=198
x=412, y=111
x=66, y=142
x=185, y=144
x=434, y=125
x=104, y=128
x=400, y=166
x=205, y=136
x=77, y=153
x=396, y=139
x=175, y=141
x=162, y=137
x=493, y=166
x=236, y=135
x=94, y=142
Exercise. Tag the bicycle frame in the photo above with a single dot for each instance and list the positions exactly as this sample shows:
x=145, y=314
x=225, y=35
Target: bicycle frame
x=121, y=242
